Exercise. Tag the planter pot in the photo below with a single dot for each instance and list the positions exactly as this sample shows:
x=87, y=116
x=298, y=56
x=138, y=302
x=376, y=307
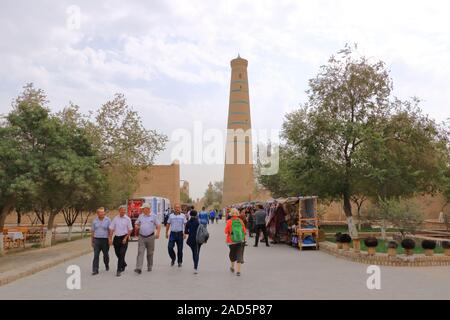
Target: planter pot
x=339, y=245
x=371, y=251
x=356, y=245
x=429, y=252
x=447, y=252
x=346, y=246
x=392, y=252
x=409, y=252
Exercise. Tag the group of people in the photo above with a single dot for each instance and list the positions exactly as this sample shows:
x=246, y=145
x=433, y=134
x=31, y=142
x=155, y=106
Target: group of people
x=254, y=218
x=179, y=227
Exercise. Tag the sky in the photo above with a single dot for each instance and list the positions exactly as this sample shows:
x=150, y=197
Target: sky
x=171, y=59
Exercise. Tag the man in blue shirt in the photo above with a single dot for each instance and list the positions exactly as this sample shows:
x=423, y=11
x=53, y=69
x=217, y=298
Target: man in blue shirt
x=175, y=224
x=101, y=240
x=203, y=217
x=212, y=216
x=148, y=228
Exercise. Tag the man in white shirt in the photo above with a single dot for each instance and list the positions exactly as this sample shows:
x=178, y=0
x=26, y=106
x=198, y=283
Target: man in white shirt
x=121, y=228
x=148, y=228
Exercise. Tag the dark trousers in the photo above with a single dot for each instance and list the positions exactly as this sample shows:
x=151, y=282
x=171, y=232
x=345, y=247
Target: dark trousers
x=121, y=249
x=100, y=245
x=195, y=254
x=258, y=229
x=176, y=238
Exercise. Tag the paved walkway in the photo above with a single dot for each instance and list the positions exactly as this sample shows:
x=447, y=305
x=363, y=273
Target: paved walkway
x=278, y=272
x=17, y=265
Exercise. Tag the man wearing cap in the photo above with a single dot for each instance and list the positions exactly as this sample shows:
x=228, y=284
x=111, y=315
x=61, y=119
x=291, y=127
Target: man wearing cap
x=175, y=224
x=121, y=228
x=100, y=239
x=145, y=227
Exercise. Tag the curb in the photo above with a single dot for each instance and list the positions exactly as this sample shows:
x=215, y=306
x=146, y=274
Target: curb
x=5, y=279
x=438, y=260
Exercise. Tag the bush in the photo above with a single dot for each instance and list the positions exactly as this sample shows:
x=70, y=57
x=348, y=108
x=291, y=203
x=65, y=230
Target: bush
x=338, y=236
x=371, y=242
x=446, y=244
x=392, y=245
x=408, y=244
x=345, y=238
x=429, y=244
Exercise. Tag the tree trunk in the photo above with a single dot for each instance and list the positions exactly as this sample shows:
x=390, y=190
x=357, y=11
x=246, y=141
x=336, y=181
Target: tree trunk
x=19, y=218
x=2, y=223
x=69, y=236
x=353, y=232
x=49, y=234
x=383, y=229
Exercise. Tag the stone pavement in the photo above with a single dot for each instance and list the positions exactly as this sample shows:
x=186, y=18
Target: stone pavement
x=278, y=272
x=24, y=263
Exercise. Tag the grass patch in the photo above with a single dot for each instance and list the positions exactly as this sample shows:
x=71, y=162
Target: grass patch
x=344, y=229
x=382, y=247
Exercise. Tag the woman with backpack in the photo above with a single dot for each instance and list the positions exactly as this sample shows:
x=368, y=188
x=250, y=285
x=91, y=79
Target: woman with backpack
x=195, y=238
x=235, y=238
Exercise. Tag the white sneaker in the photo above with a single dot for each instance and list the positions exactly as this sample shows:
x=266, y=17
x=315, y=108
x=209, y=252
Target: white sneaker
x=195, y=271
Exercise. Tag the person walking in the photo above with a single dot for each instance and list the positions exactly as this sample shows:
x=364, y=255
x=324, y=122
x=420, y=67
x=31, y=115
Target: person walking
x=148, y=228
x=175, y=224
x=220, y=215
x=216, y=215
x=192, y=226
x=250, y=222
x=100, y=240
x=260, y=225
x=235, y=238
x=203, y=217
x=121, y=228
x=212, y=216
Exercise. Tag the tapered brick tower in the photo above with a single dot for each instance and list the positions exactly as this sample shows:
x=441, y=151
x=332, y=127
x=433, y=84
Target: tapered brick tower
x=238, y=181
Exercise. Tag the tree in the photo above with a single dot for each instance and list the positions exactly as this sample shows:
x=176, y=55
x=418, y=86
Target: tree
x=214, y=193
x=401, y=214
x=352, y=138
x=124, y=145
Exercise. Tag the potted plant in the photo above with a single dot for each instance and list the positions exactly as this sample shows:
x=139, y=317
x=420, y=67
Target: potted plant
x=338, y=240
x=371, y=244
x=392, y=248
x=446, y=246
x=345, y=240
x=429, y=246
x=408, y=245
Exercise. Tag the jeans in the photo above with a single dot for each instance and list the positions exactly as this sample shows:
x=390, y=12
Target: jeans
x=259, y=228
x=100, y=245
x=195, y=254
x=176, y=238
x=121, y=250
x=145, y=244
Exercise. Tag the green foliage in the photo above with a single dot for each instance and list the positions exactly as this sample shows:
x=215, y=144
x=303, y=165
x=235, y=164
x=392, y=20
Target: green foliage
x=213, y=194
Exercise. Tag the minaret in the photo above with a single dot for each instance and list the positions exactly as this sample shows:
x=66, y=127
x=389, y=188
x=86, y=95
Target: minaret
x=238, y=181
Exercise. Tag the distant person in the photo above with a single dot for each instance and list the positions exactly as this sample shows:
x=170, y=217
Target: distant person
x=212, y=216
x=148, y=228
x=260, y=225
x=235, y=238
x=100, y=239
x=216, y=215
x=197, y=236
x=220, y=215
x=250, y=222
x=203, y=217
x=175, y=224
x=166, y=215
x=121, y=228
